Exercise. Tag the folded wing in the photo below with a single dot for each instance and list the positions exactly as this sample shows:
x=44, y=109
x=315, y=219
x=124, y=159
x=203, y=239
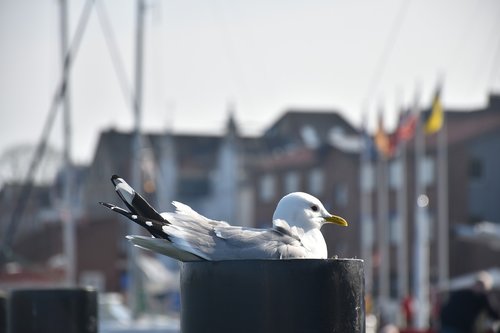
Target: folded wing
x=186, y=235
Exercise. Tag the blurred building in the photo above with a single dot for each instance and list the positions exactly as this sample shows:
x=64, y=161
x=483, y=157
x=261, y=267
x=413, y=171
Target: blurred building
x=474, y=183
x=240, y=179
x=315, y=152
x=473, y=142
x=31, y=223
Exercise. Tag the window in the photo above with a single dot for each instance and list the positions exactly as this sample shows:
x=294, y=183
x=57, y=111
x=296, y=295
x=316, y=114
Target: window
x=267, y=187
x=395, y=174
x=395, y=228
x=341, y=194
x=475, y=168
x=474, y=219
x=316, y=181
x=367, y=178
x=310, y=136
x=367, y=230
x=427, y=170
x=194, y=186
x=291, y=182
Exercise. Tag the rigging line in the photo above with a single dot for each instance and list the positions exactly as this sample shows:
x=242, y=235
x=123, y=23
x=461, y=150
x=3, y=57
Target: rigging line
x=27, y=185
x=494, y=66
x=464, y=34
x=116, y=59
x=118, y=65
x=388, y=47
x=492, y=37
x=236, y=77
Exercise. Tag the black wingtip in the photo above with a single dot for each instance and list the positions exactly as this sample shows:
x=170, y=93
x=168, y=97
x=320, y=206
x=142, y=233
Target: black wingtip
x=114, y=178
x=133, y=200
x=105, y=204
x=153, y=226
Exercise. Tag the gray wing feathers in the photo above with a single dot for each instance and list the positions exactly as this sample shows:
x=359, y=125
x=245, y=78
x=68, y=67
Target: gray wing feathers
x=161, y=246
x=191, y=236
x=186, y=215
x=241, y=243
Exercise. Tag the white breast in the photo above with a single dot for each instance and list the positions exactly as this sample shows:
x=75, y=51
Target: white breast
x=315, y=243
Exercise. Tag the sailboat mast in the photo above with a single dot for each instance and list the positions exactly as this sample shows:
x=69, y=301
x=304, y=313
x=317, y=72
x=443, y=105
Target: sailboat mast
x=134, y=274
x=67, y=215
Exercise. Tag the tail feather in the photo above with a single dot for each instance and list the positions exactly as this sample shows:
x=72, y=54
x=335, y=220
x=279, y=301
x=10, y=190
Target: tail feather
x=134, y=201
x=163, y=247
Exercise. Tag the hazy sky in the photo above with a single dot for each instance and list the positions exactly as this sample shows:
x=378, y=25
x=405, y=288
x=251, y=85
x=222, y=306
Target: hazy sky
x=261, y=56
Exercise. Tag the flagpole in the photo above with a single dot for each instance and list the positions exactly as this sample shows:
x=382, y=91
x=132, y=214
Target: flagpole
x=421, y=242
x=401, y=202
x=383, y=230
x=401, y=137
x=443, y=224
x=366, y=187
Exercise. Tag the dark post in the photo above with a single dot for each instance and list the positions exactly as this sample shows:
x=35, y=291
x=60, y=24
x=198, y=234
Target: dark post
x=52, y=310
x=303, y=295
x=3, y=312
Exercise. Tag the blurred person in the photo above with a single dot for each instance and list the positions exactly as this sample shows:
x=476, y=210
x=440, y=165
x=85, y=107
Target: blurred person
x=408, y=310
x=389, y=328
x=464, y=307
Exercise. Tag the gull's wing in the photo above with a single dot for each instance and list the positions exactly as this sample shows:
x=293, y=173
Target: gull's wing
x=249, y=243
x=187, y=235
x=133, y=200
x=162, y=246
x=217, y=240
x=203, y=238
x=224, y=243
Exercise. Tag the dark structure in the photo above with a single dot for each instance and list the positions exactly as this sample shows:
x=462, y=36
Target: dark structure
x=273, y=296
x=53, y=310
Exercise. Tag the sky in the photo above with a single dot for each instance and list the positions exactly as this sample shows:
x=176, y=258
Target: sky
x=257, y=58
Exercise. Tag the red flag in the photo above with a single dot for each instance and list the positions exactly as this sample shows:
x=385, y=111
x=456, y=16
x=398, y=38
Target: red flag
x=406, y=126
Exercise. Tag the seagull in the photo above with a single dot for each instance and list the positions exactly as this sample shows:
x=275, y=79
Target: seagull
x=186, y=235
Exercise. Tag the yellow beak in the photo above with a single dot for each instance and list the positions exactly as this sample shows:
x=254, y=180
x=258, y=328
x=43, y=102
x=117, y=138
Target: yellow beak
x=337, y=220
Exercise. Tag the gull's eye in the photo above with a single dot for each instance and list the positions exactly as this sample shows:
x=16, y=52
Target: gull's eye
x=314, y=208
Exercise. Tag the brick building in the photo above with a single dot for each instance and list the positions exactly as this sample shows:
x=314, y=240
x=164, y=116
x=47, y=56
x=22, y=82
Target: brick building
x=241, y=179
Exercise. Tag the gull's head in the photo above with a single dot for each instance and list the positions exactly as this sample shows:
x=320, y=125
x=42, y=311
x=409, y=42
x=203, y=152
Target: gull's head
x=305, y=211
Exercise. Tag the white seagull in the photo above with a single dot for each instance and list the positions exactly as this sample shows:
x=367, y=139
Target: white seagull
x=188, y=236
